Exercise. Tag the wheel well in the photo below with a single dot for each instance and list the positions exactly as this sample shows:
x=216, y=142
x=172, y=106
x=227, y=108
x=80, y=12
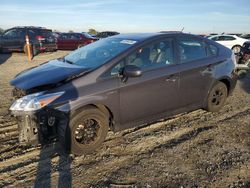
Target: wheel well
x=227, y=83
x=236, y=45
x=102, y=108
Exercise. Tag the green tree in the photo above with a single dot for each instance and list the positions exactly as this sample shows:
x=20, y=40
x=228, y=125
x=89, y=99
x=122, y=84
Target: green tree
x=93, y=31
x=71, y=31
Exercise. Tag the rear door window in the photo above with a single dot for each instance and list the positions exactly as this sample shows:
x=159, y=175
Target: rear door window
x=191, y=50
x=228, y=38
x=31, y=33
x=12, y=34
x=212, y=50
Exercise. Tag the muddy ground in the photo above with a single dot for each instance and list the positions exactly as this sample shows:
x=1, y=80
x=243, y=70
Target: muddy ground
x=197, y=149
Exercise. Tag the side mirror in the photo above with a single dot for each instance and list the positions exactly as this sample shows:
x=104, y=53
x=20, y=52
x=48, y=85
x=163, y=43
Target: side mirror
x=131, y=71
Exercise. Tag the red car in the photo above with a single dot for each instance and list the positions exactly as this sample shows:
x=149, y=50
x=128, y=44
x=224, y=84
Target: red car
x=72, y=41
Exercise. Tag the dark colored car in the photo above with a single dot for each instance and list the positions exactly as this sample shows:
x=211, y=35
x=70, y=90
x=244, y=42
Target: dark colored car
x=245, y=54
x=72, y=41
x=41, y=39
x=106, y=34
x=245, y=36
x=120, y=82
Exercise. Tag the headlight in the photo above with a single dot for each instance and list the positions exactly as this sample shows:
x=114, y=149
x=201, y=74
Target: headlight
x=34, y=101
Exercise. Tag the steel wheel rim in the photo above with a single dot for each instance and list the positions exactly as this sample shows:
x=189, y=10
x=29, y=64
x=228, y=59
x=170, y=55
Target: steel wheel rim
x=87, y=132
x=217, y=97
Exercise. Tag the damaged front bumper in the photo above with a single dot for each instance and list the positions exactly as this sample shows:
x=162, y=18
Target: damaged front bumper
x=40, y=127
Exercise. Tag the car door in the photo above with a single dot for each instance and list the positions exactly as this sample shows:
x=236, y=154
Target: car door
x=229, y=41
x=64, y=41
x=196, y=70
x=75, y=39
x=156, y=91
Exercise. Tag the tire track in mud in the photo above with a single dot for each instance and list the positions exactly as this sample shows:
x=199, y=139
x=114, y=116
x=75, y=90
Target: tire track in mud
x=154, y=137
x=24, y=158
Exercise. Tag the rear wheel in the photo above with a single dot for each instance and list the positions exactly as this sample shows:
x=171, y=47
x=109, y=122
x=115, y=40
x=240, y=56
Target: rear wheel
x=34, y=51
x=217, y=97
x=86, y=132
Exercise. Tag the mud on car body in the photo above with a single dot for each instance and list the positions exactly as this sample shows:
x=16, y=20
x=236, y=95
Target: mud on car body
x=120, y=82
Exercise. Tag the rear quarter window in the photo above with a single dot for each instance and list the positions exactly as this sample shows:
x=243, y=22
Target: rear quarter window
x=46, y=33
x=212, y=50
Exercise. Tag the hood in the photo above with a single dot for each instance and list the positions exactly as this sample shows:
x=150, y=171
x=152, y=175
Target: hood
x=49, y=73
x=93, y=38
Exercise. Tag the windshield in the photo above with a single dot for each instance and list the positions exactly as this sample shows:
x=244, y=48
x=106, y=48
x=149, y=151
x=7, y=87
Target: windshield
x=87, y=35
x=98, y=53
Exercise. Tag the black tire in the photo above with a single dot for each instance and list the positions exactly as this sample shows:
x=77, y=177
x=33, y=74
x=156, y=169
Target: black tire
x=98, y=130
x=34, y=50
x=217, y=97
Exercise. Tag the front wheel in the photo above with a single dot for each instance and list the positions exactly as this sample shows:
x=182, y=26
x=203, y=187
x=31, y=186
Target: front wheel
x=217, y=97
x=86, y=132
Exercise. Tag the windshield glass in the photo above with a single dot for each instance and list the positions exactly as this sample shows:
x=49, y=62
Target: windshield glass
x=87, y=35
x=98, y=53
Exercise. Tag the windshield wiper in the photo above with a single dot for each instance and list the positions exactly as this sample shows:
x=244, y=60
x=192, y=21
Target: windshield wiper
x=63, y=59
x=68, y=61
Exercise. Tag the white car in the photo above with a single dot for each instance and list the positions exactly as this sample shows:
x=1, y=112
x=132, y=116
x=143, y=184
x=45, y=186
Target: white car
x=231, y=41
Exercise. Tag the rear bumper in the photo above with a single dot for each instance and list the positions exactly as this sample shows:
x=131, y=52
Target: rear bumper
x=46, y=47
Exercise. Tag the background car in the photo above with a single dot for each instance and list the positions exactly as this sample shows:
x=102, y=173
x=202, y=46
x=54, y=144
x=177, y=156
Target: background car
x=106, y=34
x=41, y=39
x=121, y=82
x=245, y=36
x=245, y=54
x=231, y=41
x=72, y=41
x=237, y=34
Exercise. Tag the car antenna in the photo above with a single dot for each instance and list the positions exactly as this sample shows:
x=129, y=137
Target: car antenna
x=182, y=29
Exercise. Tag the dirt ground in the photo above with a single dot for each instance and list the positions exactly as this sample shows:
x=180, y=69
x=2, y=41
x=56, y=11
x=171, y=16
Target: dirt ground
x=197, y=149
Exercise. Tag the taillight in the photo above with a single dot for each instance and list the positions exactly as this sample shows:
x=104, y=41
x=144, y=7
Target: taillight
x=39, y=37
x=234, y=59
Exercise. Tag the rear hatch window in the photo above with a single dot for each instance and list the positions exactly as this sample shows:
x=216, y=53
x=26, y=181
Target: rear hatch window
x=46, y=33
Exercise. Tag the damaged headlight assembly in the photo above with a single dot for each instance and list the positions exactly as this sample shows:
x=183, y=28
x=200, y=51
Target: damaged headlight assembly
x=34, y=102
x=35, y=124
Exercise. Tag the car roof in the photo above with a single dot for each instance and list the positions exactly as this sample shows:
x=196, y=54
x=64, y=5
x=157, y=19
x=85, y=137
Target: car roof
x=142, y=36
x=29, y=27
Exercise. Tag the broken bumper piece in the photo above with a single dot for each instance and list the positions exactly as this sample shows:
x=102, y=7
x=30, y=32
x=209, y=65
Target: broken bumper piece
x=39, y=127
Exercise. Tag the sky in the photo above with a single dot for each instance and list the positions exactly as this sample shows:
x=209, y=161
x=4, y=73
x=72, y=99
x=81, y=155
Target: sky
x=196, y=16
